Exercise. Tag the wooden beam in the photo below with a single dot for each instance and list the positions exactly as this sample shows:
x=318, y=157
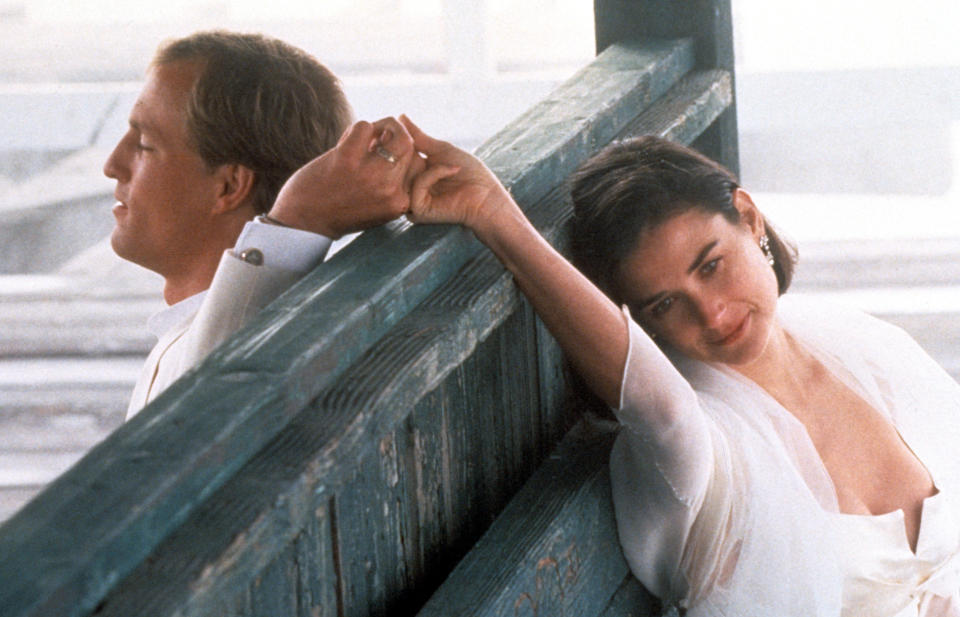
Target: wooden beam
x=362, y=416
x=708, y=22
x=63, y=552
x=554, y=549
x=562, y=519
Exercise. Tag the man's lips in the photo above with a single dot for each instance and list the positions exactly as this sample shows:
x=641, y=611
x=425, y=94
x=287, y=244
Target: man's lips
x=119, y=208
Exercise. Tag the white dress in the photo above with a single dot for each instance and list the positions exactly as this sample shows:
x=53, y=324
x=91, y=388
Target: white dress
x=882, y=576
x=724, y=506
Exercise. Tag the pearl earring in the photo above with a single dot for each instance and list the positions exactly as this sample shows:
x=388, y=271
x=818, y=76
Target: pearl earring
x=765, y=247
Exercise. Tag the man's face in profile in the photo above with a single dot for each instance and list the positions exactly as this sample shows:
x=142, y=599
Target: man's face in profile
x=165, y=191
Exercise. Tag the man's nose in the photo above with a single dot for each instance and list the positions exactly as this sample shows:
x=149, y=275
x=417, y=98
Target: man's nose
x=114, y=167
x=110, y=167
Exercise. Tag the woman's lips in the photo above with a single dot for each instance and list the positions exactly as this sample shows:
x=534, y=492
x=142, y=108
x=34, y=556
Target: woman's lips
x=736, y=334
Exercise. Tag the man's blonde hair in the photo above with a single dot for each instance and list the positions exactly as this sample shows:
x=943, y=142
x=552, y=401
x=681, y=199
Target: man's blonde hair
x=259, y=102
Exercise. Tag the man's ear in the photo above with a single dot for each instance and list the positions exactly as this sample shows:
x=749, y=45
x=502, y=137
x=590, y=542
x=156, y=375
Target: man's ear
x=749, y=214
x=235, y=187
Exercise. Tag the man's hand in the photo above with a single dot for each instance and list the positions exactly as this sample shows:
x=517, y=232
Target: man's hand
x=355, y=185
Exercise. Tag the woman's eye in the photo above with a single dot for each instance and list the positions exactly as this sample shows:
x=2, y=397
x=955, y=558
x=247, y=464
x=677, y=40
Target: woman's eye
x=710, y=266
x=661, y=307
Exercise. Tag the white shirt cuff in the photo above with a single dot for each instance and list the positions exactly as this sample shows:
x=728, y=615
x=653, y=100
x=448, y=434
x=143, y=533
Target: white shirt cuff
x=283, y=247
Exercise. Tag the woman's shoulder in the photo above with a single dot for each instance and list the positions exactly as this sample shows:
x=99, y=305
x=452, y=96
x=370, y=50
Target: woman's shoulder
x=864, y=344
x=835, y=322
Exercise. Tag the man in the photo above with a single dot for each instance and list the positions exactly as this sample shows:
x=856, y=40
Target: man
x=222, y=122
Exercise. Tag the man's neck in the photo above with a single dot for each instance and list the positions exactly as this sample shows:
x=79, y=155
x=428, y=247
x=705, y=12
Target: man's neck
x=177, y=289
x=198, y=274
x=194, y=279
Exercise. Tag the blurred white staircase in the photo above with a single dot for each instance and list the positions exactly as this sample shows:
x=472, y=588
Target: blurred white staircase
x=71, y=347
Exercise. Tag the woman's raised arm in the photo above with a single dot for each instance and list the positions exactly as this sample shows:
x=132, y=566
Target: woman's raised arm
x=458, y=188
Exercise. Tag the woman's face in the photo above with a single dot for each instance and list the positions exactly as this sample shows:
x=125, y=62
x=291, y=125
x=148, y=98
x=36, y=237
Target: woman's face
x=703, y=285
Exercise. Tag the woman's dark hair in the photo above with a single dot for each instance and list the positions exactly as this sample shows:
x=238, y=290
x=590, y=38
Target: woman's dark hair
x=636, y=184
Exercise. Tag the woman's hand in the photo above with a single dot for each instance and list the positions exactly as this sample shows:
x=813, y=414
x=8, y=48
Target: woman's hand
x=456, y=187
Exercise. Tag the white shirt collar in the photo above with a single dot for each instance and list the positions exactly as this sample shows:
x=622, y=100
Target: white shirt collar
x=168, y=318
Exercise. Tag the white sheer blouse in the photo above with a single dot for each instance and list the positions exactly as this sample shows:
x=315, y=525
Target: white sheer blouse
x=724, y=506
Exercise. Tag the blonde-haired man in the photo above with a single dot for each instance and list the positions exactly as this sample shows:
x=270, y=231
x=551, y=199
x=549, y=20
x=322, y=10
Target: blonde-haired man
x=222, y=122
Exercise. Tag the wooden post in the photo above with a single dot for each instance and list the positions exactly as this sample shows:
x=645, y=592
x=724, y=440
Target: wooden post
x=708, y=22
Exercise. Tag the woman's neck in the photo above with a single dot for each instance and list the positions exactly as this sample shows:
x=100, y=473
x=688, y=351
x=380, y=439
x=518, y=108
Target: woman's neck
x=783, y=366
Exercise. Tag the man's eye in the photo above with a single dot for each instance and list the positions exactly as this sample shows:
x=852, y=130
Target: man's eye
x=661, y=307
x=710, y=266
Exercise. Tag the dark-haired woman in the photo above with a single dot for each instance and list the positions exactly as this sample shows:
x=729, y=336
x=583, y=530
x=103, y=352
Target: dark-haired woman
x=777, y=456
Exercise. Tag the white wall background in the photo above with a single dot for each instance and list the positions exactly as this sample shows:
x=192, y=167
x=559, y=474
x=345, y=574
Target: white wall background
x=854, y=102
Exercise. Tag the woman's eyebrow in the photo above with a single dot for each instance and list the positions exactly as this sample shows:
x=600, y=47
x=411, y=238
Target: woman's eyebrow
x=701, y=256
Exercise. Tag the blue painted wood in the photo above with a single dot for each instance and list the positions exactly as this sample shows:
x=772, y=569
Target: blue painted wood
x=505, y=572
x=273, y=494
x=335, y=388
x=317, y=574
x=275, y=590
x=688, y=109
x=553, y=551
x=708, y=22
x=369, y=534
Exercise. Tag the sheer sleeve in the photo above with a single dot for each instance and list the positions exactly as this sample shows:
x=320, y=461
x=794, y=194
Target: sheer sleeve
x=723, y=504
x=661, y=465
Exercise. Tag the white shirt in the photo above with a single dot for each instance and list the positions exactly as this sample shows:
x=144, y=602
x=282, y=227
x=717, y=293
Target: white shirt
x=283, y=247
x=188, y=330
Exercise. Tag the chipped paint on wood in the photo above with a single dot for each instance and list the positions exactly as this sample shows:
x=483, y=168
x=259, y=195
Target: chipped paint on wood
x=553, y=551
x=346, y=472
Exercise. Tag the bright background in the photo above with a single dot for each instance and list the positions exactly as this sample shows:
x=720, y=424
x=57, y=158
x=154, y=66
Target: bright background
x=849, y=116
x=847, y=109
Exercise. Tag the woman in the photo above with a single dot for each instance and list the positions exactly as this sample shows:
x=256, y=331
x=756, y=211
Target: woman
x=787, y=458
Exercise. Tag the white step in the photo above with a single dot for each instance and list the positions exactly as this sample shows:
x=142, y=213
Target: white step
x=886, y=263
x=63, y=404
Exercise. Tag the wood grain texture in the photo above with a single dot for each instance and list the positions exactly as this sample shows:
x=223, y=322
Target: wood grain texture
x=688, y=109
x=500, y=568
x=336, y=387
x=708, y=22
x=409, y=502
x=553, y=551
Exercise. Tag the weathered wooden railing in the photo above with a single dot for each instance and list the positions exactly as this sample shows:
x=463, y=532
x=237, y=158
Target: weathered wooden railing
x=343, y=453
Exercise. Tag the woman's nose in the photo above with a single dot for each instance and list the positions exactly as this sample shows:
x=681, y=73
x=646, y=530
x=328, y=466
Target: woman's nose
x=712, y=309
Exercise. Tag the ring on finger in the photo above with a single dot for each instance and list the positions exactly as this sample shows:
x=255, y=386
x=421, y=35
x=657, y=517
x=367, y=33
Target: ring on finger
x=385, y=154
